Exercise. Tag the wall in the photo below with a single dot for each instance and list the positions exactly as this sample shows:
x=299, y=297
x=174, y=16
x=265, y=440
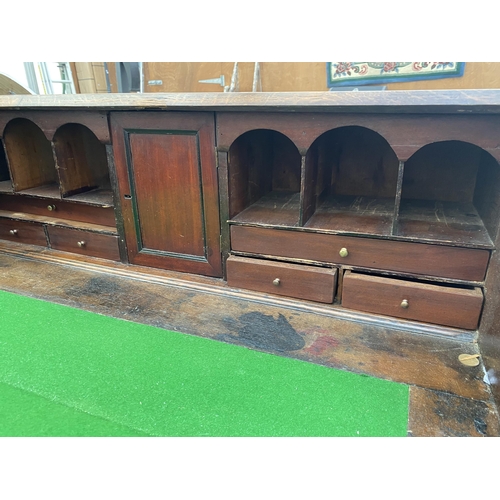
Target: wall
x=293, y=76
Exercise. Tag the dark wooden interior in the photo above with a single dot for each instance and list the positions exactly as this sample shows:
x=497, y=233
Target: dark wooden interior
x=81, y=160
x=375, y=213
x=30, y=157
x=264, y=178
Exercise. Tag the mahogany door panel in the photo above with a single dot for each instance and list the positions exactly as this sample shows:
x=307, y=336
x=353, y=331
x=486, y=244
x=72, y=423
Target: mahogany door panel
x=167, y=179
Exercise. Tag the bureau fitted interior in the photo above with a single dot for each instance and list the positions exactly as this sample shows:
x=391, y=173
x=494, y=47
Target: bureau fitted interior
x=393, y=215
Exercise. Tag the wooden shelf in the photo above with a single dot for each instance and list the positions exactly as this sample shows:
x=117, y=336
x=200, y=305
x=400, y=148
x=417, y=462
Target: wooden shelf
x=354, y=214
x=45, y=191
x=277, y=208
x=99, y=197
x=454, y=223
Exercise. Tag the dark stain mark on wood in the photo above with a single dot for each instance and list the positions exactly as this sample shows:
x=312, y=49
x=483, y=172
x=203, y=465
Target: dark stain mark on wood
x=97, y=285
x=435, y=413
x=464, y=412
x=260, y=331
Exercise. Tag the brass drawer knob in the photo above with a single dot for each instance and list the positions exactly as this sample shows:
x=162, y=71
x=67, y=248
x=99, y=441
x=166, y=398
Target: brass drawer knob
x=13, y=232
x=276, y=282
x=405, y=304
x=81, y=244
x=51, y=208
x=343, y=252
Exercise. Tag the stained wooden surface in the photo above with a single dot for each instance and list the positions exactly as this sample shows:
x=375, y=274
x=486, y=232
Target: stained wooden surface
x=438, y=101
x=454, y=223
x=278, y=208
x=301, y=282
x=29, y=154
x=167, y=192
x=261, y=162
x=443, y=305
x=440, y=414
x=354, y=214
x=167, y=179
x=418, y=258
x=406, y=133
x=63, y=209
x=100, y=245
x=81, y=160
x=50, y=121
x=54, y=221
x=24, y=232
x=489, y=329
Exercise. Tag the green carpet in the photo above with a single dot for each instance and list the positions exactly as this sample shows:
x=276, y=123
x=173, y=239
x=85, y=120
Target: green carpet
x=68, y=372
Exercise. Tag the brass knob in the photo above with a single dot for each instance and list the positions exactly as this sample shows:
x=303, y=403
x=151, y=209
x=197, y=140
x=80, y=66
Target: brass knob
x=405, y=304
x=51, y=208
x=81, y=244
x=276, y=282
x=343, y=252
x=13, y=232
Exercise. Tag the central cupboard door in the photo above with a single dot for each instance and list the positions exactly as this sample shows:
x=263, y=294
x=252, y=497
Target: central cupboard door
x=167, y=179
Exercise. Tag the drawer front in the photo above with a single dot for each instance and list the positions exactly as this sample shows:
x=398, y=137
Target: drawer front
x=442, y=305
x=84, y=242
x=22, y=232
x=466, y=264
x=59, y=209
x=290, y=280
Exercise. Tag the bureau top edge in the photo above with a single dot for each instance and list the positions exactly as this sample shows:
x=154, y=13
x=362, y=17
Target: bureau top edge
x=473, y=101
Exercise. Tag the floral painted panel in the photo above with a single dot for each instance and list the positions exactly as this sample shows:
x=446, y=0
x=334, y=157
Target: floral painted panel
x=363, y=73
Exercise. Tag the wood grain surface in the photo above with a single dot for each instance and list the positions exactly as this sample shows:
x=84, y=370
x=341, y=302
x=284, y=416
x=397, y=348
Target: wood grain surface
x=64, y=209
x=167, y=178
x=438, y=101
x=100, y=245
x=291, y=280
x=22, y=232
x=443, y=305
x=417, y=258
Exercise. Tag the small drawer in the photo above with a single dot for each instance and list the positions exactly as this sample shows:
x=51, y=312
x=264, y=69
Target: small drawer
x=291, y=280
x=22, y=232
x=441, y=305
x=468, y=264
x=100, y=245
x=60, y=209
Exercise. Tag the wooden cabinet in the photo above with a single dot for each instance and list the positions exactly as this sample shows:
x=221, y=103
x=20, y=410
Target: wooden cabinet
x=168, y=189
x=55, y=179
x=352, y=201
x=397, y=197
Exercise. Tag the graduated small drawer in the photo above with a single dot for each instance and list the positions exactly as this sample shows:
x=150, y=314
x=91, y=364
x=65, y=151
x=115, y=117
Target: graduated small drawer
x=22, y=232
x=290, y=280
x=442, y=305
x=89, y=243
